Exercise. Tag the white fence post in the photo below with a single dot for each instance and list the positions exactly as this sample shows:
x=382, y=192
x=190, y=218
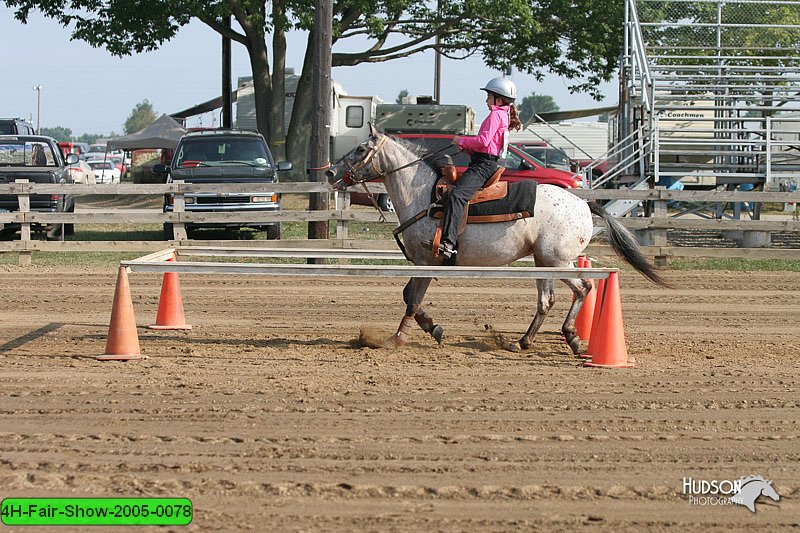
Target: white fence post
x=179, y=208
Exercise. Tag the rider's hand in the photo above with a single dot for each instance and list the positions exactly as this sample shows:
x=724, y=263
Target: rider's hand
x=456, y=140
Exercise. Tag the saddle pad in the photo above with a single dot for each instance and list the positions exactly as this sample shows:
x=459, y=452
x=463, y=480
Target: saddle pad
x=521, y=197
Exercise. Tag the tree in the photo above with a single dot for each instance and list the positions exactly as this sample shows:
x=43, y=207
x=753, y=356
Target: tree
x=58, y=133
x=141, y=117
x=402, y=94
x=578, y=40
x=535, y=104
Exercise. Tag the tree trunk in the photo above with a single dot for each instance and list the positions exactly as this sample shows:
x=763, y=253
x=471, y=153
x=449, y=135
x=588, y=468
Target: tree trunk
x=297, y=141
x=262, y=84
x=277, y=108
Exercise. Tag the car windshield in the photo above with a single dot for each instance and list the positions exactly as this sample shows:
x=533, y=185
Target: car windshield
x=219, y=152
x=26, y=154
x=545, y=153
x=99, y=165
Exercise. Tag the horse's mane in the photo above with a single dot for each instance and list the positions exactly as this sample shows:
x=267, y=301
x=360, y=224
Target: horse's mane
x=748, y=479
x=417, y=149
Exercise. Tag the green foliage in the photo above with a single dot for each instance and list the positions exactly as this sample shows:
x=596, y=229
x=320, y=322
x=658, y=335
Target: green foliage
x=402, y=94
x=761, y=29
x=738, y=265
x=535, y=103
x=58, y=133
x=141, y=117
x=89, y=137
x=579, y=40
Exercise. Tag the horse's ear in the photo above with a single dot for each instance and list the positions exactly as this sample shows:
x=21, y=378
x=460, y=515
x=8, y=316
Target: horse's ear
x=373, y=131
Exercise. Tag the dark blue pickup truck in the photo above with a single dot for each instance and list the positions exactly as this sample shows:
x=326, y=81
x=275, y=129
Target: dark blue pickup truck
x=225, y=156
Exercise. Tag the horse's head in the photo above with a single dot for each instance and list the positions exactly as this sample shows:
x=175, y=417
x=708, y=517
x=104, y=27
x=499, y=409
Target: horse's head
x=359, y=164
x=768, y=490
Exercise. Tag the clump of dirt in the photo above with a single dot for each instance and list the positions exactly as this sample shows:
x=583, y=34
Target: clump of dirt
x=371, y=337
x=496, y=339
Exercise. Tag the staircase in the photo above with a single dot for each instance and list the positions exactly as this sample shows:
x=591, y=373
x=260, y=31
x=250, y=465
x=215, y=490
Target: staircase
x=715, y=88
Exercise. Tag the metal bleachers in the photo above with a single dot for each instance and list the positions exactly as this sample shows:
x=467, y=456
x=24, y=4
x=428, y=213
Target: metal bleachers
x=713, y=93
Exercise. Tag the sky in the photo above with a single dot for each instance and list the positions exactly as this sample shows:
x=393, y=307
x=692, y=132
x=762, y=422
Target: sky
x=90, y=91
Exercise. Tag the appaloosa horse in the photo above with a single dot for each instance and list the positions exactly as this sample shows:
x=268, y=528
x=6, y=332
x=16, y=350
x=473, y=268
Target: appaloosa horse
x=556, y=235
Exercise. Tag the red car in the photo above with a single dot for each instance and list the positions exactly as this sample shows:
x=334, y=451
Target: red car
x=558, y=159
x=519, y=166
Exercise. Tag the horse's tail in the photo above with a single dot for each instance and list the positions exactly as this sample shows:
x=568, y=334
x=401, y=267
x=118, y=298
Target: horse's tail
x=624, y=245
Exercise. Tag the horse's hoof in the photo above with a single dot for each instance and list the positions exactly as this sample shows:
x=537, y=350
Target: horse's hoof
x=575, y=345
x=514, y=347
x=438, y=334
x=395, y=341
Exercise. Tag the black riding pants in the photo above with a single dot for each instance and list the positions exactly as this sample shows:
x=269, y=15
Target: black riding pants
x=481, y=168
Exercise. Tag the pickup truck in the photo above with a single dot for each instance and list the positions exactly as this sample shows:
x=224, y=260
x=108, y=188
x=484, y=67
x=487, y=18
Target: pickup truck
x=224, y=156
x=39, y=160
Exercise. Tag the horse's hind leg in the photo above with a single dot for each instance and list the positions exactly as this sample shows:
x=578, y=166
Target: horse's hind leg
x=580, y=288
x=545, y=301
x=413, y=293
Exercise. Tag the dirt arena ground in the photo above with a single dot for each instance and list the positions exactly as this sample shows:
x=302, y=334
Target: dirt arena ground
x=270, y=417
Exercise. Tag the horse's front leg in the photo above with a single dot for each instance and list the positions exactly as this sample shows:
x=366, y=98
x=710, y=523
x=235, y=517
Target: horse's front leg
x=545, y=301
x=413, y=293
x=580, y=288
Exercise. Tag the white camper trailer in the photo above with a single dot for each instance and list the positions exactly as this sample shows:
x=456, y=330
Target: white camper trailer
x=350, y=115
x=579, y=140
x=350, y=119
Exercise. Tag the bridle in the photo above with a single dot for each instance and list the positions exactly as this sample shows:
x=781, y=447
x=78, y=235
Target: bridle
x=355, y=174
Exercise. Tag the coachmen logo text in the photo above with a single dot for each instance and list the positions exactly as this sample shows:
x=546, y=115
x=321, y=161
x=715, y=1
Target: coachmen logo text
x=743, y=491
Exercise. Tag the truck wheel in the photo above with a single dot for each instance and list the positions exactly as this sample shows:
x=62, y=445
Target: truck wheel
x=385, y=203
x=69, y=229
x=274, y=231
x=169, y=235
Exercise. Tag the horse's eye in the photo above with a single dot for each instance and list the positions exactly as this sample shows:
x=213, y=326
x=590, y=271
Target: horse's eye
x=361, y=149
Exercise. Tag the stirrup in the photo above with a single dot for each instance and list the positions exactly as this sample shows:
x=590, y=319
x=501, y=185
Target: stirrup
x=445, y=248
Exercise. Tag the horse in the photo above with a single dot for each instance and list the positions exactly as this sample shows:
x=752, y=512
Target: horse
x=559, y=231
x=751, y=488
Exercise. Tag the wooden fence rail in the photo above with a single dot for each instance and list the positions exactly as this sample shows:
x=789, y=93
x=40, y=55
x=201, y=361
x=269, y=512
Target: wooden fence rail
x=654, y=226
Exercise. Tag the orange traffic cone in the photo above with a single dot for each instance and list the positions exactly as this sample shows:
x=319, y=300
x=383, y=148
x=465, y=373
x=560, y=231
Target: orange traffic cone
x=122, y=343
x=170, y=304
x=595, y=332
x=610, y=350
x=583, y=322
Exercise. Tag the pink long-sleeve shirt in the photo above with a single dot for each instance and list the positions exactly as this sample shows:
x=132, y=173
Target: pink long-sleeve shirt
x=491, y=135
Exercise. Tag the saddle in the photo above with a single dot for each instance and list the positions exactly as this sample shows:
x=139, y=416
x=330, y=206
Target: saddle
x=491, y=204
x=493, y=189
